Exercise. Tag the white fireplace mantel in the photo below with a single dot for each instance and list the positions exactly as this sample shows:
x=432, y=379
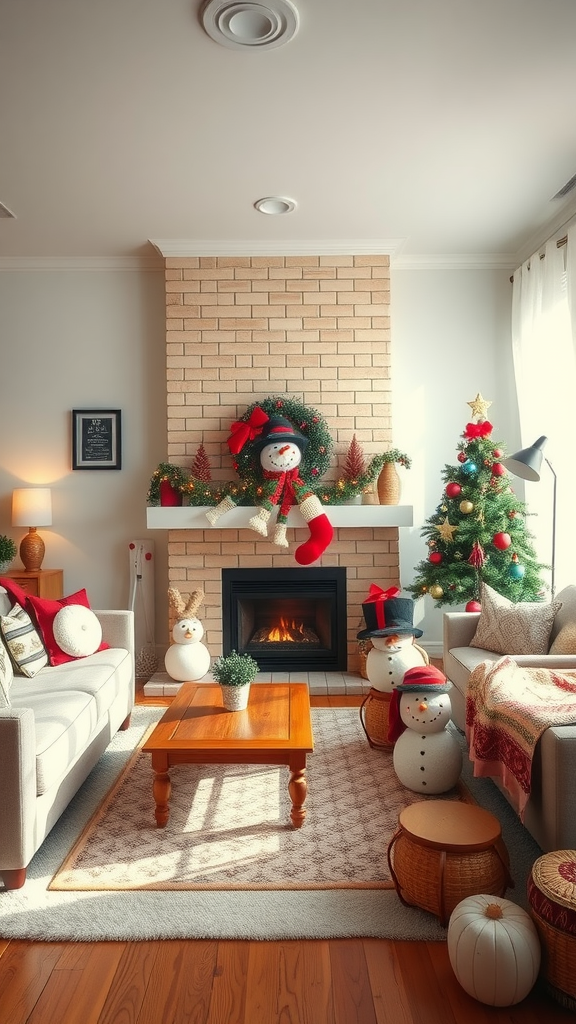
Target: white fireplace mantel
x=193, y=517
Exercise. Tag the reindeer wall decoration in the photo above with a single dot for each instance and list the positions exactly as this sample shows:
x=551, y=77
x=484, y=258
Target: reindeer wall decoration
x=186, y=659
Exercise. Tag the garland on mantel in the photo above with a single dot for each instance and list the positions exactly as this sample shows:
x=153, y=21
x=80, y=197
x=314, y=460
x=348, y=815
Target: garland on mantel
x=315, y=462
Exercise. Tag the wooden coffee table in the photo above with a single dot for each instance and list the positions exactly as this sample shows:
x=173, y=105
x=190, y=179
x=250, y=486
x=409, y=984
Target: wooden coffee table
x=275, y=728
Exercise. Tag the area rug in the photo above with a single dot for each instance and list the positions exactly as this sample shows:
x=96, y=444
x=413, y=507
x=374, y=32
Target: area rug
x=229, y=825
x=37, y=912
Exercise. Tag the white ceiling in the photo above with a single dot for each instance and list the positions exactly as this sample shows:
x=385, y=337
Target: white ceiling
x=430, y=128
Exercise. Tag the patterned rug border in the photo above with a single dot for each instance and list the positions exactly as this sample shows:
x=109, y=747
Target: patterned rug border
x=59, y=882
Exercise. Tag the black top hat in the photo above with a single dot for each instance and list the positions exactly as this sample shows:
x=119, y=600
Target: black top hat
x=393, y=615
x=278, y=430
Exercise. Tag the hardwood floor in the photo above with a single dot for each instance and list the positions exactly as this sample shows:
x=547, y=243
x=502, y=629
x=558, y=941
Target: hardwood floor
x=343, y=981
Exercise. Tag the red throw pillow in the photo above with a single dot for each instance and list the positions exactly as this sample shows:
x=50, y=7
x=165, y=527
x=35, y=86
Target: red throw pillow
x=45, y=611
x=14, y=591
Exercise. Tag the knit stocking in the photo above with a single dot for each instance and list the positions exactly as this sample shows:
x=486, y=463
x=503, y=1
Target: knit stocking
x=321, y=531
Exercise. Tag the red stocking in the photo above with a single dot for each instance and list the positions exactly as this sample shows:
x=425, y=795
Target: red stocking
x=321, y=532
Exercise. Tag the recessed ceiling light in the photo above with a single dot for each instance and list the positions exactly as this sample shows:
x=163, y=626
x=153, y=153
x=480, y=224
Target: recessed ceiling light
x=257, y=25
x=275, y=205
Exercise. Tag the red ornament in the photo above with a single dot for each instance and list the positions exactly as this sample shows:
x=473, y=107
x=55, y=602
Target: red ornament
x=453, y=490
x=462, y=456
x=501, y=541
x=435, y=558
x=497, y=453
x=498, y=469
x=473, y=606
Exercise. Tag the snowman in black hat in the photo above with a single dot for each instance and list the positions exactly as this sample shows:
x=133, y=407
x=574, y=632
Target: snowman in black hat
x=280, y=448
x=390, y=627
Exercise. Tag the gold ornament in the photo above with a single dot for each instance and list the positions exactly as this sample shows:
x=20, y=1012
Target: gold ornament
x=436, y=591
x=479, y=406
x=446, y=531
x=466, y=507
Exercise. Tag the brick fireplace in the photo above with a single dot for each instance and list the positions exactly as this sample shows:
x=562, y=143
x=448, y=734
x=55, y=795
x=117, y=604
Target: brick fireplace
x=315, y=328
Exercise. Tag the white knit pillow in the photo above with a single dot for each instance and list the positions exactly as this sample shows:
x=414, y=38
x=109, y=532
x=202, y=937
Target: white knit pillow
x=77, y=630
x=508, y=628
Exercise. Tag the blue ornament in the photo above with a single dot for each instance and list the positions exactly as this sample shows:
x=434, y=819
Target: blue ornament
x=469, y=467
x=516, y=571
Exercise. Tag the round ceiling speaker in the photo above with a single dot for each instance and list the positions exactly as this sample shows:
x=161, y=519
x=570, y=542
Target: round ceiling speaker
x=275, y=205
x=257, y=25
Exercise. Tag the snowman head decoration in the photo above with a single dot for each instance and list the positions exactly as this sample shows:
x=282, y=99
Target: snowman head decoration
x=420, y=702
x=187, y=629
x=281, y=447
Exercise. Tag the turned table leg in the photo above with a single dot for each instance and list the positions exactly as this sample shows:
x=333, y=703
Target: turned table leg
x=161, y=789
x=297, y=788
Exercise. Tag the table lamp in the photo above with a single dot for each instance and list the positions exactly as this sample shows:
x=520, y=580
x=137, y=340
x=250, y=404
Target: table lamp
x=32, y=505
x=527, y=464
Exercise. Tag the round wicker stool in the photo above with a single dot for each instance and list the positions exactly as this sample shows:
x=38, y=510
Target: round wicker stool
x=445, y=850
x=374, y=715
x=552, y=900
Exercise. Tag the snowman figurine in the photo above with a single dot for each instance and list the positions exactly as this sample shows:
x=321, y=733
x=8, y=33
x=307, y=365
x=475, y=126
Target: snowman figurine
x=389, y=625
x=279, y=448
x=427, y=757
x=186, y=659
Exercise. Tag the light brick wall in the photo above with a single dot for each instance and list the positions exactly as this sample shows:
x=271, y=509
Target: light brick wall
x=315, y=328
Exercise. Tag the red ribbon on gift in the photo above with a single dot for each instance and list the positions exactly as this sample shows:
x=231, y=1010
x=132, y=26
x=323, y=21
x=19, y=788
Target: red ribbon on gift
x=246, y=430
x=377, y=596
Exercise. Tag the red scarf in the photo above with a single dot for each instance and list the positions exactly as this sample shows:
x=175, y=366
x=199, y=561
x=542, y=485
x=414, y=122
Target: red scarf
x=285, y=493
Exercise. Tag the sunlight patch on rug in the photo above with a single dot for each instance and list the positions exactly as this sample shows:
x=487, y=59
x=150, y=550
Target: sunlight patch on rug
x=229, y=825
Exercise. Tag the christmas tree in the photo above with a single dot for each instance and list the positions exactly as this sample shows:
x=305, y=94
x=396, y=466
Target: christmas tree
x=478, y=532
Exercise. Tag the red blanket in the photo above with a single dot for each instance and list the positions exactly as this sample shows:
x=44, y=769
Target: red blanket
x=507, y=710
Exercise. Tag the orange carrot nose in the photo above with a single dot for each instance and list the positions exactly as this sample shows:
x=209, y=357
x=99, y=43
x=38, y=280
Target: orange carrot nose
x=284, y=448
x=423, y=706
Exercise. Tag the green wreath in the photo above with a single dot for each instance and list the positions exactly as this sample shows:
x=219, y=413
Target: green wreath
x=309, y=422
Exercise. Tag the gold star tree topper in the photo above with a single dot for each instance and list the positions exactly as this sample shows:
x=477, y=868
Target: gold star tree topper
x=479, y=407
x=446, y=531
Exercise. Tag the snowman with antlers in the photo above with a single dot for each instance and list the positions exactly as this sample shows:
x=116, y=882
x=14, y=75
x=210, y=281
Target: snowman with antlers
x=187, y=659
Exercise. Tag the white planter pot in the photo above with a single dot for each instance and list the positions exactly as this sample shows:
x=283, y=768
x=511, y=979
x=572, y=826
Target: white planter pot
x=235, y=698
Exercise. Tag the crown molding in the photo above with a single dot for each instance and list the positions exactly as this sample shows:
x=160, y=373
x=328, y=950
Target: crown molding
x=128, y=263
x=455, y=261
x=182, y=247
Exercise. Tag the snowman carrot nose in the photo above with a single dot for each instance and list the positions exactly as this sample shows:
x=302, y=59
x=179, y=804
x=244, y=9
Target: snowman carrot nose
x=423, y=706
x=284, y=448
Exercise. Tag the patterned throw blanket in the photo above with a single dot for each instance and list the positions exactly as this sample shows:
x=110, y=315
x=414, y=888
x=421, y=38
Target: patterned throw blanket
x=508, y=707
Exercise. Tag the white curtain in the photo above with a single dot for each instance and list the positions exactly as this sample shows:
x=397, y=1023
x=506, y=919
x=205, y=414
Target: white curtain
x=543, y=343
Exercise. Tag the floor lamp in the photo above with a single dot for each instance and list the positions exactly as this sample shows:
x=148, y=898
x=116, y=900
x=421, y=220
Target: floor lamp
x=527, y=465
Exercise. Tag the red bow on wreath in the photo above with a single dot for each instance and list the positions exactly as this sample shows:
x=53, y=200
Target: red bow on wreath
x=246, y=430
x=478, y=429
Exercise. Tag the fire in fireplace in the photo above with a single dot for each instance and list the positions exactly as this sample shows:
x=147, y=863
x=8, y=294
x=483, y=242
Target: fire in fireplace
x=287, y=619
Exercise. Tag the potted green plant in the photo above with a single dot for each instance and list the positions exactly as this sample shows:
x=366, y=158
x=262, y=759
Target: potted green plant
x=8, y=551
x=167, y=485
x=235, y=672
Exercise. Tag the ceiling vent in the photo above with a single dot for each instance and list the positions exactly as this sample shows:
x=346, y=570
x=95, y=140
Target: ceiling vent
x=5, y=212
x=257, y=26
x=566, y=189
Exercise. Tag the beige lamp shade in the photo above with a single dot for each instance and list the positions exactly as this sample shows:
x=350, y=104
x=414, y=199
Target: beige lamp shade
x=32, y=507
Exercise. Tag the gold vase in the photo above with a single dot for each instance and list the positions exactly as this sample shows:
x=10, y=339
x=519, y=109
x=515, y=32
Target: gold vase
x=389, y=484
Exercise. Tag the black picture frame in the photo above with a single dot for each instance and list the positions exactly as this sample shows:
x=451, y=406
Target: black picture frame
x=96, y=439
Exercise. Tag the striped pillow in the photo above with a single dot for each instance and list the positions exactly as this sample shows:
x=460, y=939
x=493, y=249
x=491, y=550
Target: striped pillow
x=26, y=648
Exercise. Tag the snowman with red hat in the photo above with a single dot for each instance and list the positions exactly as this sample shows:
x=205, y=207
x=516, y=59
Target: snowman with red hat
x=279, y=448
x=427, y=757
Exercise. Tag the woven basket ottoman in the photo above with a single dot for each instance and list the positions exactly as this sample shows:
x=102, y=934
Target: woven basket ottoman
x=552, y=902
x=374, y=718
x=445, y=850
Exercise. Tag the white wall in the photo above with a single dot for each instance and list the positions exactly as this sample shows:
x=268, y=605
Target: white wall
x=450, y=340
x=84, y=338
x=95, y=338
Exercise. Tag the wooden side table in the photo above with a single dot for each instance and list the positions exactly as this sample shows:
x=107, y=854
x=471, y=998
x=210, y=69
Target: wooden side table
x=47, y=583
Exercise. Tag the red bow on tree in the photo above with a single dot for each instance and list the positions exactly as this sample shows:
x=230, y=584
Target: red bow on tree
x=246, y=430
x=478, y=429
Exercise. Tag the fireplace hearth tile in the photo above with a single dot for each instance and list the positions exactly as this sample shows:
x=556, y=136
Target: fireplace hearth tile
x=319, y=683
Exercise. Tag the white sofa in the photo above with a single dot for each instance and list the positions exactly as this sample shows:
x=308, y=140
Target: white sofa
x=550, y=814
x=57, y=726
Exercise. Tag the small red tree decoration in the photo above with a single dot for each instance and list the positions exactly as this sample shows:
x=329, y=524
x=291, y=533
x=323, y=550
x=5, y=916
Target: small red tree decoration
x=354, y=466
x=201, y=466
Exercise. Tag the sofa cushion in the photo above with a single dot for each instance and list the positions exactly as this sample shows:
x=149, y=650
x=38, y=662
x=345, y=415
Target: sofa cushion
x=64, y=722
x=508, y=628
x=23, y=641
x=101, y=676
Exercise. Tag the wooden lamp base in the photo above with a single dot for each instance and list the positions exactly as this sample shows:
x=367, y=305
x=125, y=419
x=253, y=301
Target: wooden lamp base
x=32, y=550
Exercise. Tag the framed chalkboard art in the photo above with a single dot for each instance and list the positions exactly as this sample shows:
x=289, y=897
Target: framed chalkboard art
x=96, y=439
